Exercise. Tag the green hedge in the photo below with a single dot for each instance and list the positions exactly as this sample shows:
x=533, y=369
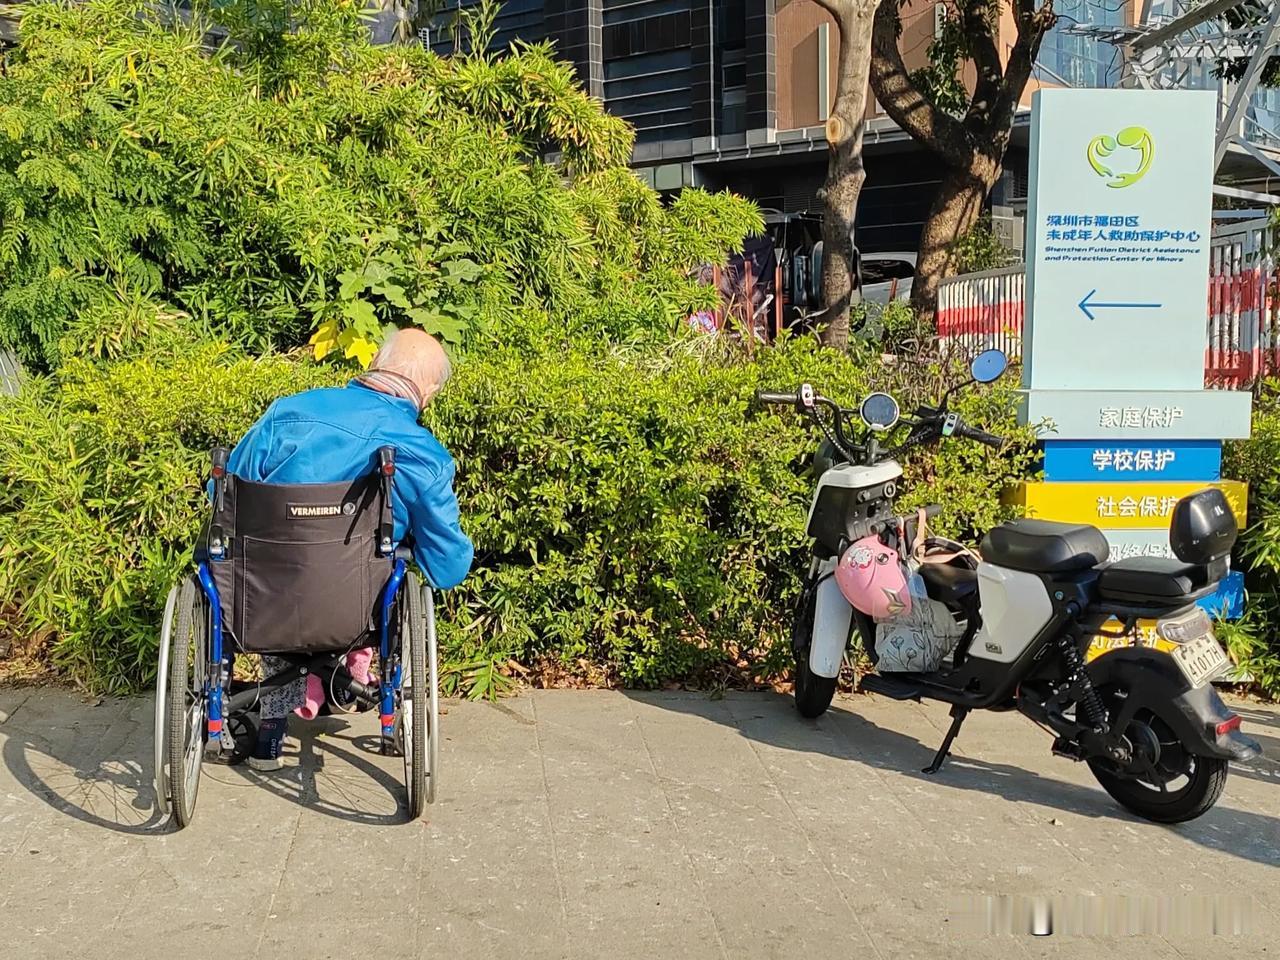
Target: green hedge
x=1253, y=640
x=100, y=495
x=636, y=518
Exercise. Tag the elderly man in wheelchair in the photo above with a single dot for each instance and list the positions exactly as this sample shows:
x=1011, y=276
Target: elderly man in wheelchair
x=306, y=558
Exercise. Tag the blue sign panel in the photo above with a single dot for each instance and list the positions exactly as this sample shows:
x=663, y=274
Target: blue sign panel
x=1081, y=460
x=1227, y=603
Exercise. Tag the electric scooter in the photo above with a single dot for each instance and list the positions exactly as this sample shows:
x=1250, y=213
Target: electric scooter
x=1149, y=724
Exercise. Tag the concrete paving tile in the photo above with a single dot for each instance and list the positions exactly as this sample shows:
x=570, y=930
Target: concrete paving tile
x=767, y=888
x=589, y=824
x=612, y=827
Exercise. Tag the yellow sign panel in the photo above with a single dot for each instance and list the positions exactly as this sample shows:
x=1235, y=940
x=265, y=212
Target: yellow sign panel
x=1146, y=637
x=1123, y=505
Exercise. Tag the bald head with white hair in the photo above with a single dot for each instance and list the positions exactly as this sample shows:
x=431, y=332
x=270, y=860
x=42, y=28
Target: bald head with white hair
x=413, y=357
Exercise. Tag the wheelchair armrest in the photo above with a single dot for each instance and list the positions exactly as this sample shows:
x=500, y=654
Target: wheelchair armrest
x=201, y=552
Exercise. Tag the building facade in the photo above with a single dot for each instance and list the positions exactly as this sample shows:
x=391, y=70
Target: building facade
x=734, y=94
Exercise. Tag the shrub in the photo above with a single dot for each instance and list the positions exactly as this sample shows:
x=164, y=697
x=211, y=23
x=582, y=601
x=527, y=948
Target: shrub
x=980, y=248
x=100, y=495
x=635, y=515
x=141, y=176
x=1253, y=641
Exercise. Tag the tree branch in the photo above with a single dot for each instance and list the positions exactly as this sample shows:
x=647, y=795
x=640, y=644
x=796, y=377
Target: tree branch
x=1033, y=24
x=902, y=100
x=840, y=9
x=980, y=32
x=1023, y=11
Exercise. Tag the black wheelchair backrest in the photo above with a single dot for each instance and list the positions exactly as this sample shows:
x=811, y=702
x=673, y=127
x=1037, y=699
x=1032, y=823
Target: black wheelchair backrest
x=300, y=567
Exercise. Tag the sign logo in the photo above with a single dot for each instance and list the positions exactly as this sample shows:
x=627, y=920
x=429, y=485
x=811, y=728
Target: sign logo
x=303, y=511
x=1136, y=157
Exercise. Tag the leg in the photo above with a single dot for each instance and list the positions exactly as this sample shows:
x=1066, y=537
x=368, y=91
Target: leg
x=274, y=711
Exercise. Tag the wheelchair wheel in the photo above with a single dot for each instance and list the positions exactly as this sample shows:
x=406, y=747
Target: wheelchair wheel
x=160, y=755
x=415, y=701
x=433, y=698
x=185, y=704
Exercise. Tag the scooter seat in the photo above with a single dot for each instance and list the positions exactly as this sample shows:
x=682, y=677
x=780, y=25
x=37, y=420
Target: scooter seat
x=1045, y=546
x=947, y=582
x=1155, y=581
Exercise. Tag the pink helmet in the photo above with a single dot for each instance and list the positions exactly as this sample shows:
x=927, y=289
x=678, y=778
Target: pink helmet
x=872, y=578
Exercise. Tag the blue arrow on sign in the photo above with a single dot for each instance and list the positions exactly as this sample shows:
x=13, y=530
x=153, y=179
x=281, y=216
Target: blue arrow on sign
x=1087, y=305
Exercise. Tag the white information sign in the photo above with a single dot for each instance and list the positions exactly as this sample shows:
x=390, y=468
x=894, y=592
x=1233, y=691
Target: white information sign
x=1118, y=231
x=1138, y=415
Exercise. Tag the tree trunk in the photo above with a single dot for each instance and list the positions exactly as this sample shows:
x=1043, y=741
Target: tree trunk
x=955, y=210
x=845, y=172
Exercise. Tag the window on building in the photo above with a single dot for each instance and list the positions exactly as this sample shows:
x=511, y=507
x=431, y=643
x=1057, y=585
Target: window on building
x=1083, y=61
x=733, y=91
x=1262, y=121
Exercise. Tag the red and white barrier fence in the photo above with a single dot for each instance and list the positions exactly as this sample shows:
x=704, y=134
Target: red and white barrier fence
x=984, y=310
x=980, y=311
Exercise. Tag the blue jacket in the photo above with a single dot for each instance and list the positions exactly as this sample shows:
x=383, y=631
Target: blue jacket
x=333, y=434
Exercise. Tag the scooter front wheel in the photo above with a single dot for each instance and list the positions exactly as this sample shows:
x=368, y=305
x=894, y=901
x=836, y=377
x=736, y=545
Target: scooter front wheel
x=813, y=693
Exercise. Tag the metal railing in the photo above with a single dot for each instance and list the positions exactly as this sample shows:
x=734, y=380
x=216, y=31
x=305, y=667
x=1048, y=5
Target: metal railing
x=10, y=374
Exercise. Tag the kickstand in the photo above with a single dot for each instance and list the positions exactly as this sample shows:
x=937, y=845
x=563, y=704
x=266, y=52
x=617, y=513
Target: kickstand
x=958, y=714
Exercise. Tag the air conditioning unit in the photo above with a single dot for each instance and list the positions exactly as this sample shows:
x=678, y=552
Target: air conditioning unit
x=1010, y=225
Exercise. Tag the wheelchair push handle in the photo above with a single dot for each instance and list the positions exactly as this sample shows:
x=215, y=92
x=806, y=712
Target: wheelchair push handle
x=387, y=461
x=218, y=457
x=216, y=538
x=386, y=471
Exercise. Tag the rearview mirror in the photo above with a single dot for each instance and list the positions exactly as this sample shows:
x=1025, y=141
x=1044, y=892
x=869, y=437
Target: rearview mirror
x=989, y=365
x=879, y=411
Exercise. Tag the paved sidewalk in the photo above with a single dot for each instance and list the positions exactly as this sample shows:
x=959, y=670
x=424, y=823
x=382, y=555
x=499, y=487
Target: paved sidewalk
x=604, y=825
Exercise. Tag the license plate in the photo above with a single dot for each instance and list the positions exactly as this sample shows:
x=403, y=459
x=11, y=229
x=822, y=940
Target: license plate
x=1200, y=660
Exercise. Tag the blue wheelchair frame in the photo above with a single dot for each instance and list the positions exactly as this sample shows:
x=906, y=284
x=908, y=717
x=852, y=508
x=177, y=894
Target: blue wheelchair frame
x=217, y=679
x=203, y=713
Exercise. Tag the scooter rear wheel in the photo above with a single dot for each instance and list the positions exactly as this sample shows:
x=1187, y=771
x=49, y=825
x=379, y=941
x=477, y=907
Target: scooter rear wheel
x=1178, y=786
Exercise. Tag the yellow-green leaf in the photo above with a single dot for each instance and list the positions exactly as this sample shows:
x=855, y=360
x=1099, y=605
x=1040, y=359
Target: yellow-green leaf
x=325, y=339
x=362, y=349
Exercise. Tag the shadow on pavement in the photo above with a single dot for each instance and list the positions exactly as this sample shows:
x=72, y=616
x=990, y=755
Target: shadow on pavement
x=353, y=788
x=107, y=779
x=1263, y=726
x=771, y=719
x=104, y=780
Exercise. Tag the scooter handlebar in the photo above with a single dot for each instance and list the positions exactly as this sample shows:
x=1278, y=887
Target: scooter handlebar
x=769, y=396
x=980, y=436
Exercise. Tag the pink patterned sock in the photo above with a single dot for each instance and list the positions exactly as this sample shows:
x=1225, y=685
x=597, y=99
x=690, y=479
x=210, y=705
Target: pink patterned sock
x=310, y=708
x=358, y=662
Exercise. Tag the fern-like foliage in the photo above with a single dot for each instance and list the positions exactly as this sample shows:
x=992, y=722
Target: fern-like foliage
x=214, y=170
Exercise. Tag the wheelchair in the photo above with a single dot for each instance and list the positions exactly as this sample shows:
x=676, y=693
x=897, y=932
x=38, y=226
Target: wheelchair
x=304, y=573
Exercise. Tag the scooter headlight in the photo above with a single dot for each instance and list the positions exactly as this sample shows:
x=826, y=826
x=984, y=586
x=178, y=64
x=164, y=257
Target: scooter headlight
x=1185, y=628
